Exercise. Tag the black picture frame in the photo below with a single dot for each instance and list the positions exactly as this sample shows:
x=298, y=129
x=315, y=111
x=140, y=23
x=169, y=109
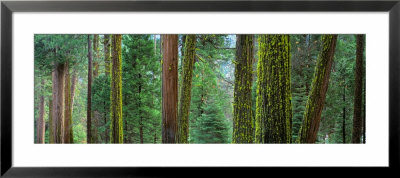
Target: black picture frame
x=8, y=7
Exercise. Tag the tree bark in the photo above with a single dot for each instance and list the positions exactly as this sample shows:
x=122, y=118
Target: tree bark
x=364, y=123
x=89, y=94
x=316, y=100
x=58, y=76
x=273, y=105
x=40, y=122
x=169, y=87
x=50, y=124
x=67, y=104
x=116, y=127
x=73, y=86
x=357, y=120
x=242, y=112
x=186, y=89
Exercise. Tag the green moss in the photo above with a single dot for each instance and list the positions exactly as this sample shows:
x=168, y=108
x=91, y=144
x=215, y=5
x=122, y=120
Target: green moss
x=187, y=73
x=315, y=101
x=116, y=126
x=242, y=117
x=273, y=114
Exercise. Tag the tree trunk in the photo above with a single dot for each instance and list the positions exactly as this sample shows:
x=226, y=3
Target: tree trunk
x=186, y=88
x=169, y=87
x=67, y=105
x=242, y=113
x=356, y=136
x=344, y=115
x=58, y=102
x=40, y=122
x=73, y=85
x=50, y=124
x=364, y=124
x=107, y=53
x=315, y=103
x=273, y=105
x=89, y=94
x=116, y=126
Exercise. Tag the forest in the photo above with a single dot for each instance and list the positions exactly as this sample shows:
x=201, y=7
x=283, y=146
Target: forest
x=199, y=88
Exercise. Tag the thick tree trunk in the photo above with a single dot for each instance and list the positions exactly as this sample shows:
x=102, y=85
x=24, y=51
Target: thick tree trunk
x=116, y=126
x=242, y=112
x=169, y=87
x=40, y=122
x=58, y=76
x=67, y=105
x=356, y=136
x=274, y=107
x=364, y=114
x=316, y=100
x=186, y=88
x=89, y=94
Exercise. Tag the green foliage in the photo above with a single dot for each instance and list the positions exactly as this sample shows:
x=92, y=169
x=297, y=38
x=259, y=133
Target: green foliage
x=211, y=109
x=142, y=89
x=208, y=123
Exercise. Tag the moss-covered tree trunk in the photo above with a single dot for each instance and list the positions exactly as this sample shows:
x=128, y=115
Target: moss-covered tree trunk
x=316, y=99
x=116, y=127
x=51, y=138
x=242, y=113
x=186, y=88
x=357, y=120
x=107, y=70
x=169, y=87
x=273, y=104
x=89, y=94
x=67, y=104
x=40, y=121
x=58, y=102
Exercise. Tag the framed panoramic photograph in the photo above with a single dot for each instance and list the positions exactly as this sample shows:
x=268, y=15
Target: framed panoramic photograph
x=113, y=88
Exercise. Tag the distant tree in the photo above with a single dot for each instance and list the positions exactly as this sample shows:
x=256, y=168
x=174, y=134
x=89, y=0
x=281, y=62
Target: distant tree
x=89, y=93
x=40, y=121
